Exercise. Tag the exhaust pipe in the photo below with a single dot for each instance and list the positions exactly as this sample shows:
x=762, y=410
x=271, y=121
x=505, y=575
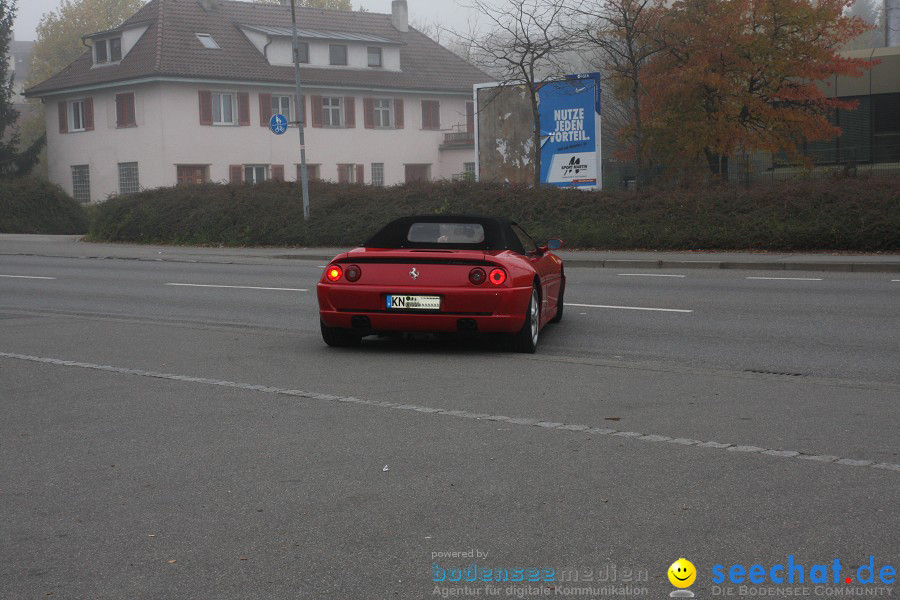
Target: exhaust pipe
x=466, y=325
x=360, y=322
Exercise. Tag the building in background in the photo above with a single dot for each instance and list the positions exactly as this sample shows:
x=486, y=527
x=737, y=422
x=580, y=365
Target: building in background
x=19, y=59
x=183, y=92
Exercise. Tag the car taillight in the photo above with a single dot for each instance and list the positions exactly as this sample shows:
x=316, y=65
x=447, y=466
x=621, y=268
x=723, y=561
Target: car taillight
x=353, y=273
x=477, y=276
x=497, y=276
x=333, y=273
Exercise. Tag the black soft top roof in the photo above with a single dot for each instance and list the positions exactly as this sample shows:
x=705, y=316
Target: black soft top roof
x=498, y=234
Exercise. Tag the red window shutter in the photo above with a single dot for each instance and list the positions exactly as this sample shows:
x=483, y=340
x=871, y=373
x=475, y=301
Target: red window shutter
x=206, y=112
x=265, y=109
x=89, y=114
x=343, y=173
x=369, y=113
x=278, y=172
x=398, y=113
x=63, y=117
x=431, y=114
x=243, y=99
x=470, y=117
x=236, y=173
x=350, y=112
x=125, y=116
x=121, y=115
x=316, y=110
x=131, y=113
x=360, y=174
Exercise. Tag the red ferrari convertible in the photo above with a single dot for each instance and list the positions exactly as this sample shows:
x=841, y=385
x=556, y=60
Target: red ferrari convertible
x=443, y=274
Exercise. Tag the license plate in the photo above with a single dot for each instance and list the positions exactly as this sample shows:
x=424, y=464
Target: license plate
x=398, y=302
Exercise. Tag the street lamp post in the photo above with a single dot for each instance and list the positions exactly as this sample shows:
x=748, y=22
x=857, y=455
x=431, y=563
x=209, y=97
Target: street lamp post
x=304, y=178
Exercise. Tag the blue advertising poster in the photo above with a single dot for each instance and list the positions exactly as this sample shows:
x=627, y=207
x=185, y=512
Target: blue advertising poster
x=570, y=132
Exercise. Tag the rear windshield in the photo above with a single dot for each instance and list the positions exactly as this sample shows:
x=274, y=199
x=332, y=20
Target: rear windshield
x=446, y=233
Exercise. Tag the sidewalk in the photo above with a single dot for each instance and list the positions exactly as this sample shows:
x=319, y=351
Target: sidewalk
x=70, y=246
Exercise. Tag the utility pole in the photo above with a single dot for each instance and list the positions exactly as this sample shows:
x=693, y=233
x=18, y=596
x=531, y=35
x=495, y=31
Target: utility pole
x=304, y=178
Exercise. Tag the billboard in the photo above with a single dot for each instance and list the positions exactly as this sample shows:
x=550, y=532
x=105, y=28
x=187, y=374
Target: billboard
x=570, y=132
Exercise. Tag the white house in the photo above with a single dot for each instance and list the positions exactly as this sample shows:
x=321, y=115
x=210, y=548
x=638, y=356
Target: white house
x=183, y=92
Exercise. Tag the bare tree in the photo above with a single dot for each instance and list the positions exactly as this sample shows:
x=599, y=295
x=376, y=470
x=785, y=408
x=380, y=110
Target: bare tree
x=520, y=49
x=624, y=33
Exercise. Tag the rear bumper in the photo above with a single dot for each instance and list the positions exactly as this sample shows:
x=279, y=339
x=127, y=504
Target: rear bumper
x=497, y=310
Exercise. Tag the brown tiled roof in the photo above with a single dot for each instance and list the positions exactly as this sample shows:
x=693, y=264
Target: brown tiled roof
x=169, y=48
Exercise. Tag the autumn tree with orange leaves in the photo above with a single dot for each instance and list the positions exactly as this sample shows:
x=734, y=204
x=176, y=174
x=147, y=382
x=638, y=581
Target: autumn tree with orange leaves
x=743, y=75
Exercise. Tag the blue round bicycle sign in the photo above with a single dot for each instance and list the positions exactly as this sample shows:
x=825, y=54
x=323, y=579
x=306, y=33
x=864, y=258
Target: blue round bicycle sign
x=278, y=124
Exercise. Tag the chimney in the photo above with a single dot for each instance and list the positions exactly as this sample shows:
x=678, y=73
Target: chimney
x=891, y=23
x=210, y=4
x=400, y=15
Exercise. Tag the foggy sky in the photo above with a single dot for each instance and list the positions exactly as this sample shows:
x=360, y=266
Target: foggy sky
x=449, y=13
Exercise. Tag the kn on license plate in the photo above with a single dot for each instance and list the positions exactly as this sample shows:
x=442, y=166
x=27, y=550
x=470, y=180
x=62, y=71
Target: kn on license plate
x=403, y=302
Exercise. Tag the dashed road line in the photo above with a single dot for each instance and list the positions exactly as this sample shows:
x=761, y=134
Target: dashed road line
x=25, y=277
x=238, y=287
x=649, y=275
x=787, y=278
x=672, y=310
x=464, y=414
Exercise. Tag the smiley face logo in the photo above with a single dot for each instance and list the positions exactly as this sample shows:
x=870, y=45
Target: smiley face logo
x=682, y=573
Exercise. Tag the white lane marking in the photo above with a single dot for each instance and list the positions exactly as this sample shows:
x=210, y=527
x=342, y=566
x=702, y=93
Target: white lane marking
x=25, y=277
x=648, y=275
x=238, y=287
x=464, y=414
x=895, y=280
x=787, y=278
x=675, y=310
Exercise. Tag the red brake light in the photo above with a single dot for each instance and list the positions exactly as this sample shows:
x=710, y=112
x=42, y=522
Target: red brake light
x=334, y=273
x=353, y=273
x=497, y=276
x=477, y=276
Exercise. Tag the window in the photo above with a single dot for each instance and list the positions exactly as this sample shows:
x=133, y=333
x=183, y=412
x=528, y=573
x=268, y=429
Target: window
x=526, y=241
x=375, y=56
x=128, y=178
x=338, y=54
x=418, y=173
x=191, y=174
x=445, y=233
x=431, y=114
x=469, y=169
x=223, y=109
x=76, y=115
x=348, y=173
x=312, y=172
x=333, y=112
x=255, y=173
x=81, y=183
x=208, y=41
x=378, y=174
x=303, y=51
x=384, y=111
x=108, y=50
x=284, y=105
x=125, y=116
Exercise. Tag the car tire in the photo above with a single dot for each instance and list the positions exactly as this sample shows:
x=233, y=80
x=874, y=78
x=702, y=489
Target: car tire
x=525, y=341
x=339, y=338
x=559, y=303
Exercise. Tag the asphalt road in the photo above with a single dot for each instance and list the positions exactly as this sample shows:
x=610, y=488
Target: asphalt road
x=164, y=439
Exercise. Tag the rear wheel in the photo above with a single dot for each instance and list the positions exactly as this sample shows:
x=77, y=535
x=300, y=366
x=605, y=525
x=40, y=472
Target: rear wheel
x=559, y=304
x=526, y=339
x=339, y=338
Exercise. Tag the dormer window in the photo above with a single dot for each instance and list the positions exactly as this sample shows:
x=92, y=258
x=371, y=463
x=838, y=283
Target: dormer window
x=338, y=54
x=208, y=41
x=375, y=56
x=108, y=50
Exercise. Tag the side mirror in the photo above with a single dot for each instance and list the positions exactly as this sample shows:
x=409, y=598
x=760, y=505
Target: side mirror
x=554, y=244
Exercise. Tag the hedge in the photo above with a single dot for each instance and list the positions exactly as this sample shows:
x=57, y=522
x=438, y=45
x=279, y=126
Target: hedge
x=32, y=205
x=837, y=215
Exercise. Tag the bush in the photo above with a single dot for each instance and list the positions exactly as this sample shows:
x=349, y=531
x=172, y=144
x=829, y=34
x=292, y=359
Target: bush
x=32, y=205
x=844, y=214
